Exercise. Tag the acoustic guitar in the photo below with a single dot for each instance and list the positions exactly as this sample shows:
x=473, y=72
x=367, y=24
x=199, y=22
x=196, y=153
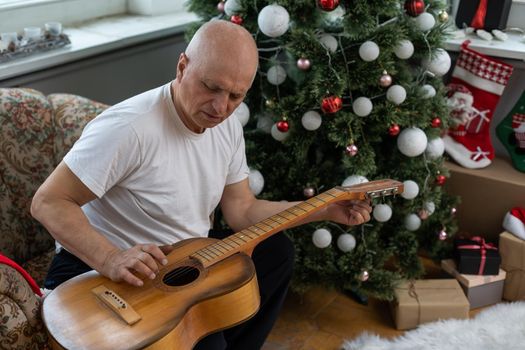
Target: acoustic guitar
x=207, y=285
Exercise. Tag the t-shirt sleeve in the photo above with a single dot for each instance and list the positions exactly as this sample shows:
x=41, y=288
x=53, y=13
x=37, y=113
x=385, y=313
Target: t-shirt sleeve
x=238, y=169
x=107, y=152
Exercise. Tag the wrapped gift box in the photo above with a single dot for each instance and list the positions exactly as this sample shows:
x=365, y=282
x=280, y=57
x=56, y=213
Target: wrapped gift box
x=424, y=301
x=475, y=257
x=480, y=290
x=512, y=251
x=495, y=14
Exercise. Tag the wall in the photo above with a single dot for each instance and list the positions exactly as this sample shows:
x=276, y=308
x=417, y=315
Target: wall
x=113, y=76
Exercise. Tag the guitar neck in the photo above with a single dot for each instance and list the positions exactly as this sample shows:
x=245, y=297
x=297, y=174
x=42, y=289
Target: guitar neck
x=247, y=239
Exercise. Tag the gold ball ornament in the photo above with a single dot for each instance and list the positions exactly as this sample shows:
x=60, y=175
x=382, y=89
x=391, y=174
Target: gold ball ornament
x=269, y=103
x=443, y=16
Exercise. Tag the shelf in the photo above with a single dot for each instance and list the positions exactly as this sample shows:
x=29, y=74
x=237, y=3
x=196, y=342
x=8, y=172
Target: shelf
x=512, y=48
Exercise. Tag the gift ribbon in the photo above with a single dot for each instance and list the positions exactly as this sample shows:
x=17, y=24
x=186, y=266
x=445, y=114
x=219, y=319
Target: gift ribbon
x=478, y=21
x=482, y=246
x=413, y=294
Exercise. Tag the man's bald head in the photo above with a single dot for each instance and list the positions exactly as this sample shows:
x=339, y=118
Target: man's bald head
x=214, y=74
x=220, y=40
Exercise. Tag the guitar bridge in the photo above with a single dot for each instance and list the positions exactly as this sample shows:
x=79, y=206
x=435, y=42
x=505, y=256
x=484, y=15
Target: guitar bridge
x=117, y=304
x=382, y=193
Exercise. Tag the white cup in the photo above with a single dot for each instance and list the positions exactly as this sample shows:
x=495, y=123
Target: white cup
x=53, y=28
x=32, y=33
x=8, y=38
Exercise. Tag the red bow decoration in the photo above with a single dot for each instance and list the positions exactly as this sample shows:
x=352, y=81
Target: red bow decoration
x=479, y=245
x=478, y=21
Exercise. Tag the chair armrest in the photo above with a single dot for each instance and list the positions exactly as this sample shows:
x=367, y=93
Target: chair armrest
x=21, y=326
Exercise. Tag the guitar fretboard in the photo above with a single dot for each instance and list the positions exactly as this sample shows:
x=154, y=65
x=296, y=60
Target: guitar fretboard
x=251, y=236
x=248, y=238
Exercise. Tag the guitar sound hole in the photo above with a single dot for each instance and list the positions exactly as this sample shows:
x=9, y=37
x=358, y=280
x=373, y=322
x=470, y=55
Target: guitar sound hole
x=181, y=276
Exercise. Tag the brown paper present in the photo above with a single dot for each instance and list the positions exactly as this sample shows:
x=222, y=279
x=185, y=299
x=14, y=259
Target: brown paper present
x=424, y=301
x=512, y=250
x=481, y=290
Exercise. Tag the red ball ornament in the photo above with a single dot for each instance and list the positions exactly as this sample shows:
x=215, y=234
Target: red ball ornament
x=328, y=5
x=283, y=126
x=436, y=122
x=440, y=180
x=236, y=19
x=415, y=7
x=394, y=130
x=331, y=104
x=220, y=6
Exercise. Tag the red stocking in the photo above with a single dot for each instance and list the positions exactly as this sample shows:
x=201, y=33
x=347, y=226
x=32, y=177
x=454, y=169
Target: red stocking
x=477, y=83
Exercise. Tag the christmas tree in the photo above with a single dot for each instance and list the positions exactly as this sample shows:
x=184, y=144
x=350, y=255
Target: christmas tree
x=347, y=92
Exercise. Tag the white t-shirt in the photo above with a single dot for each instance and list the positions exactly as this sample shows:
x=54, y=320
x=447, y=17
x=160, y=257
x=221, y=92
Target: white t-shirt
x=156, y=181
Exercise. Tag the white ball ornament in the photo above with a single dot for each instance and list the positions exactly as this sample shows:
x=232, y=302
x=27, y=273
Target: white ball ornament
x=440, y=64
x=430, y=207
x=256, y=181
x=277, y=134
x=242, y=113
x=435, y=148
x=369, y=51
x=382, y=212
x=311, y=120
x=231, y=7
x=322, y=238
x=411, y=189
x=346, y=242
x=412, y=142
x=362, y=106
x=273, y=20
x=329, y=42
x=425, y=21
x=396, y=94
x=428, y=91
x=412, y=222
x=276, y=75
x=354, y=180
x=404, y=49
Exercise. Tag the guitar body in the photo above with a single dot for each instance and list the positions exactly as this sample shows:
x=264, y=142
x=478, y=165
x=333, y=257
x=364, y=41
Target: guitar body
x=181, y=305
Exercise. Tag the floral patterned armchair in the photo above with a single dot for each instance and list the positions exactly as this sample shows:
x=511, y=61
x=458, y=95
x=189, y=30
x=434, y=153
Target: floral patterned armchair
x=35, y=133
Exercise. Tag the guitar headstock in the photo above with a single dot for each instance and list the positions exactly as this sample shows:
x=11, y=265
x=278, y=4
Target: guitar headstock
x=373, y=189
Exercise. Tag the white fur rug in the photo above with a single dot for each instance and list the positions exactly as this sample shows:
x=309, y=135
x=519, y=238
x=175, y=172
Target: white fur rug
x=500, y=327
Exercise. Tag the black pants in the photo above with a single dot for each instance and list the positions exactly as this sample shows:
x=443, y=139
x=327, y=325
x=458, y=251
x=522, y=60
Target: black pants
x=273, y=260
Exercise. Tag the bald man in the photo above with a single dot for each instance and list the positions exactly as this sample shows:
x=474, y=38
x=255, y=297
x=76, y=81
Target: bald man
x=151, y=170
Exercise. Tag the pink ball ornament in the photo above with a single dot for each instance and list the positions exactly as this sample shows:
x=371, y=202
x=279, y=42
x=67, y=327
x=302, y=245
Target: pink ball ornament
x=364, y=275
x=442, y=235
x=351, y=150
x=220, y=6
x=304, y=63
x=385, y=80
x=309, y=192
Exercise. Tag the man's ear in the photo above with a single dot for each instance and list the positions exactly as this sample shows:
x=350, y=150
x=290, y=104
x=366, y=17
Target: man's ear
x=181, y=65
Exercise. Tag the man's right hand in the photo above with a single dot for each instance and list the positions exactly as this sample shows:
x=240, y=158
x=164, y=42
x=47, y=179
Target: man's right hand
x=134, y=264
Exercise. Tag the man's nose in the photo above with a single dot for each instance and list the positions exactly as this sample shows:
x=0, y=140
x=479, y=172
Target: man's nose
x=220, y=103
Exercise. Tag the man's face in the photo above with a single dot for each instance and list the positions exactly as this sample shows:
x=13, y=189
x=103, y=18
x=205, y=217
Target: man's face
x=208, y=94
